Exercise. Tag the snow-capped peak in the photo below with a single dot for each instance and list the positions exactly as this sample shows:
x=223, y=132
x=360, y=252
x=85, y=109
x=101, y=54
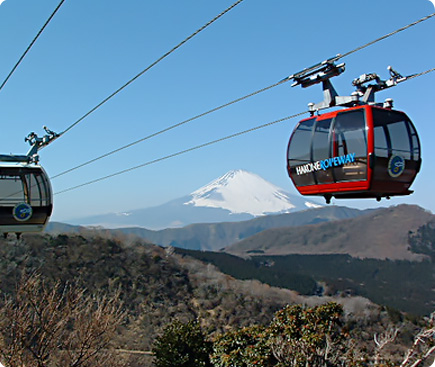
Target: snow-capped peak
x=240, y=191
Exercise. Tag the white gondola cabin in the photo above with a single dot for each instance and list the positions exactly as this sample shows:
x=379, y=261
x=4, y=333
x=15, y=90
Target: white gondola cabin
x=26, y=198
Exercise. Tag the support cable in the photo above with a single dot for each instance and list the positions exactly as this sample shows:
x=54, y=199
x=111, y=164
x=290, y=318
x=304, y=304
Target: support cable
x=232, y=102
x=204, y=145
x=31, y=44
x=165, y=130
x=420, y=74
x=388, y=35
x=150, y=66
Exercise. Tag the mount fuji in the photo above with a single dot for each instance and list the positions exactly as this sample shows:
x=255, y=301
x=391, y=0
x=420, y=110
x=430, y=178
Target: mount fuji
x=236, y=196
x=242, y=192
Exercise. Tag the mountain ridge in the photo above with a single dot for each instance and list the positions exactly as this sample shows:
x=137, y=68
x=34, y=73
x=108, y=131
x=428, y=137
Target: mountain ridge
x=381, y=234
x=240, y=191
x=215, y=236
x=236, y=196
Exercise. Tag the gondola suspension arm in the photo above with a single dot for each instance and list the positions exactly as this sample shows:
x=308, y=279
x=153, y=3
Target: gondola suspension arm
x=364, y=94
x=36, y=143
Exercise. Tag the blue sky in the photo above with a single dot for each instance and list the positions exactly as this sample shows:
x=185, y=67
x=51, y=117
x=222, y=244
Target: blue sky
x=91, y=48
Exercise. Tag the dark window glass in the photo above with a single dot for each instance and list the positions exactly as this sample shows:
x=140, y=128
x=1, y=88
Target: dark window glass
x=350, y=133
x=34, y=190
x=29, y=186
x=11, y=190
x=321, y=140
x=381, y=143
x=299, y=153
x=415, y=143
x=350, y=145
x=399, y=132
x=39, y=189
x=321, y=149
x=400, y=142
x=45, y=187
x=299, y=150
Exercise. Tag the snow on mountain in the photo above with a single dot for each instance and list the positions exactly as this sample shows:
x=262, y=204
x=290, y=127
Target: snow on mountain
x=240, y=191
x=236, y=196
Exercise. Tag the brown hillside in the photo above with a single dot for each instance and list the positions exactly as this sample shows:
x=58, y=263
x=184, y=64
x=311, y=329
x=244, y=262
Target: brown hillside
x=382, y=234
x=156, y=284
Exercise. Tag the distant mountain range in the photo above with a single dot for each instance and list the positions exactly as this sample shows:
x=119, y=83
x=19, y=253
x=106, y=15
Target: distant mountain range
x=216, y=236
x=236, y=196
x=381, y=234
x=324, y=251
x=243, y=214
x=374, y=233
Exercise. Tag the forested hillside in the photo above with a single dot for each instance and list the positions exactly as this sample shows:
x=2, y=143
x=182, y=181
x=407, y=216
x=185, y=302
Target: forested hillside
x=326, y=230
x=380, y=234
x=403, y=285
x=156, y=285
x=422, y=241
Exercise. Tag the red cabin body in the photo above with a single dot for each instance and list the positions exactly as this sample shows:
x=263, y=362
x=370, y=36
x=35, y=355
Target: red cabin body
x=358, y=152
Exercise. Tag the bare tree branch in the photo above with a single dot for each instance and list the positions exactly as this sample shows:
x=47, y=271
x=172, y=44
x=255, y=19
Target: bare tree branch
x=382, y=340
x=423, y=346
x=58, y=325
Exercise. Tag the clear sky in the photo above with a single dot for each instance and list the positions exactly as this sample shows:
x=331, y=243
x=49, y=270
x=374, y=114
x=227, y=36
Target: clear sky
x=91, y=48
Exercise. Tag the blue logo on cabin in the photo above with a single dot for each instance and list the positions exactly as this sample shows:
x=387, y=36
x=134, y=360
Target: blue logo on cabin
x=396, y=165
x=22, y=212
x=325, y=164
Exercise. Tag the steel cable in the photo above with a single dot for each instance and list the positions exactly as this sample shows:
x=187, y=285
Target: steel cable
x=204, y=145
x=421, y=74
x=232, y=102
x=388, y=35
x=182, y=152
x=150, y=66
x=30, y=45
x=165, y=130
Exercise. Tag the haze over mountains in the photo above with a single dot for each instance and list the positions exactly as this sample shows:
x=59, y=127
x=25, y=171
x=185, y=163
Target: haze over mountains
x=384, y=254
x=216, y=236
x=243, y=214
x=374, y=233
x=378, y=234
x=236, y=196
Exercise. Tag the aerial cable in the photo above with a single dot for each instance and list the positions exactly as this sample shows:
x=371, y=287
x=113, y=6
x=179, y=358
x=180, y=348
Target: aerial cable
x=165, y=130
x=204, y=145
x=149, y=67
x=341, y=56
x=388, y=35
x=234, y=101
x=31, y=44
x=421, y=74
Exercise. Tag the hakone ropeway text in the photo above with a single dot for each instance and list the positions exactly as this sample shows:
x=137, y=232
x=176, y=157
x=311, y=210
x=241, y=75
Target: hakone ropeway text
x=325, y=164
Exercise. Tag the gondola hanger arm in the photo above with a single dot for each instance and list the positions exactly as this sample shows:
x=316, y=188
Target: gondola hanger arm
x=368, y=92
x=364, y=94
x=36, y=143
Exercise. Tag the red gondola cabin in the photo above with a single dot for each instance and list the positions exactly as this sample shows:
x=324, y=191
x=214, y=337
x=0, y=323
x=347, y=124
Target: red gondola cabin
x=359, y=152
